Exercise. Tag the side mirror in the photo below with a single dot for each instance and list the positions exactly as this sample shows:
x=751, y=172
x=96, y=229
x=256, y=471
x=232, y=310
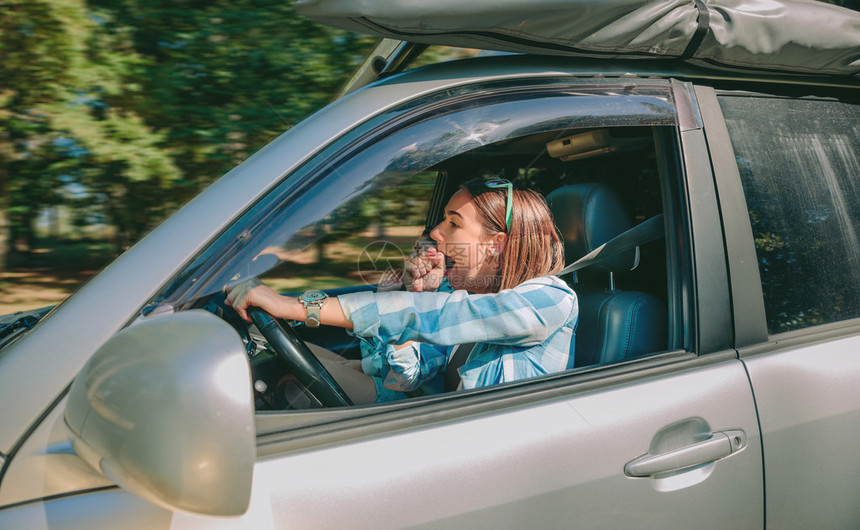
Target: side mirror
x=165, y=410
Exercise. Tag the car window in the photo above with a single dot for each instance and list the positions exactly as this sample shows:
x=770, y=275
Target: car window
x=798, y=160
x=350, y=215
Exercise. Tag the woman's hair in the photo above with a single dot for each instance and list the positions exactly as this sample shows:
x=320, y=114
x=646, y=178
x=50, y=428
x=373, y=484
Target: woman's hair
x=534, y=246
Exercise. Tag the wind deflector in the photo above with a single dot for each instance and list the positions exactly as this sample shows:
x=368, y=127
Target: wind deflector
x=784, y=36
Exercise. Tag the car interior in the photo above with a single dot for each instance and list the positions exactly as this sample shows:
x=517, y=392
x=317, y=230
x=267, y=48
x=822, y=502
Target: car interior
x=599, y=183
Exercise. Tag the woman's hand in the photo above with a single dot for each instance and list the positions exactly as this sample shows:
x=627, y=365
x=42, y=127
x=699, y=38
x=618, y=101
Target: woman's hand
x=254, y=293
x=424, y=270
x=391, y=280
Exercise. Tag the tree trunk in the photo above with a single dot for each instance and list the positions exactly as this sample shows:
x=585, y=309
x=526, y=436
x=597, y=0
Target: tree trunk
x=4, y=232
x=5, y=227
x=30, y=233
x=5, y=156
x=320, y=245
x=380, y=231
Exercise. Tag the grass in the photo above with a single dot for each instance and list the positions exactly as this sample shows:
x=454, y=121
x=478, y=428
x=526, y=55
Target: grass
x=50, y=273
x=57, y=268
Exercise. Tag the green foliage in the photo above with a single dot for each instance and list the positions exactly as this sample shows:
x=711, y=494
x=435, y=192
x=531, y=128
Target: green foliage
x=40, y=42
x=224, y=78
x=125, y=109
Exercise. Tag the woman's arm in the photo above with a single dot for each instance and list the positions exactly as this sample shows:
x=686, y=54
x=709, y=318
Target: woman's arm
x=412, y=364
x=255, y=293
x=523, y=316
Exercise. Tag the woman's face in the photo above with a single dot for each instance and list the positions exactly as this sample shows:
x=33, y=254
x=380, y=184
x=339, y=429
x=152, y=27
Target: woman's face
x=467, y=247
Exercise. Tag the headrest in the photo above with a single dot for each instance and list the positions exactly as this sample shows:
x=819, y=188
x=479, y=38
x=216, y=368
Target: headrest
x=589, y=215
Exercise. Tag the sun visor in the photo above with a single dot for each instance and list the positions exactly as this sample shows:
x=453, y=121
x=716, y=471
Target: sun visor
x=792, y=36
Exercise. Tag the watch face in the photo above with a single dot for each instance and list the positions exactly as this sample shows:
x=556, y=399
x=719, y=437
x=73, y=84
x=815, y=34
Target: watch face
x=314, y=296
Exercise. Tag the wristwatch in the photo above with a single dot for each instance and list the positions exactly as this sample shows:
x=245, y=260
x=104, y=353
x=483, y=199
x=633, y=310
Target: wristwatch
x=313, y=301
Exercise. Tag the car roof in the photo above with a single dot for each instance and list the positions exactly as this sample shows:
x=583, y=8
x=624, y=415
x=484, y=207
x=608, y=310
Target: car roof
x=778, y=36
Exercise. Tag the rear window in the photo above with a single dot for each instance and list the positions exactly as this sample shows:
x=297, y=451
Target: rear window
x=798, y=160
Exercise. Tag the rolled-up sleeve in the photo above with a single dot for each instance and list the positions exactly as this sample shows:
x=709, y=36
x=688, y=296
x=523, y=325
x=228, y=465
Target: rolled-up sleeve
x=412, y=365
x=524, y=316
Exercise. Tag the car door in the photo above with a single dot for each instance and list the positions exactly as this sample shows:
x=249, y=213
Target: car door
x=666, y=440
x=792, y=170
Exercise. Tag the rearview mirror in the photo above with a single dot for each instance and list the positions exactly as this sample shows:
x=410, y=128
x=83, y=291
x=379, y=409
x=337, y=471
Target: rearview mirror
x=165, y=410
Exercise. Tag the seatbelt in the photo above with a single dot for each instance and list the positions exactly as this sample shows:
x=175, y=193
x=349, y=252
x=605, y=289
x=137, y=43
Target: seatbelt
x=638, y=235
x=452, y=376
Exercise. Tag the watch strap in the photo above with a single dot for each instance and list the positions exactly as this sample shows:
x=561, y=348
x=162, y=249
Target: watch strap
x=313, y=319
x=313, y=301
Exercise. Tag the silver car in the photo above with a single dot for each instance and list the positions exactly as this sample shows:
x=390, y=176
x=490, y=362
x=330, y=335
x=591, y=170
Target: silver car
x=701, y=161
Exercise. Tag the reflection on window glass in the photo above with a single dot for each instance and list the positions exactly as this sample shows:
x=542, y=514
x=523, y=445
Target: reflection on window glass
x=346, y=219
x=356, y=210
x=359, y=241
x=798, y=161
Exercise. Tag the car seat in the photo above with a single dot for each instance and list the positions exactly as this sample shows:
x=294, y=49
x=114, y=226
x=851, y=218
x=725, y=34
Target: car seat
x=614, y=325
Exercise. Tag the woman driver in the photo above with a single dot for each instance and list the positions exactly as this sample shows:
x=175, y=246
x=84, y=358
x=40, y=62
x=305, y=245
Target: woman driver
x=497, y=290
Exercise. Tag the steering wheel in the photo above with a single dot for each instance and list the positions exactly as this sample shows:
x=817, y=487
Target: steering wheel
x=302, y=363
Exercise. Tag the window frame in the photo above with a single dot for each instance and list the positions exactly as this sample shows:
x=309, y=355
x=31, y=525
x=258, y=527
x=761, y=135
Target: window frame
x=278, y=428
x=182, y=291
x=748, y=309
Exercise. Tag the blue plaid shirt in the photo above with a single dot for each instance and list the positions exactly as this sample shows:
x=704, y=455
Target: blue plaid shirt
x=521, y=332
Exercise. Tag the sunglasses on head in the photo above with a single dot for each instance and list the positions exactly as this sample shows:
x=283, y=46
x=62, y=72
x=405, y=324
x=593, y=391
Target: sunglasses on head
x=502, y=183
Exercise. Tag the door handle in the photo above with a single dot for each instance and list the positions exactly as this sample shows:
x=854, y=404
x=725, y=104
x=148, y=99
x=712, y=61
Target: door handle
x=719, y=445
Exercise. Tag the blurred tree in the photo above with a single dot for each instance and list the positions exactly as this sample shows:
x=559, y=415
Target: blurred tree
x=140, y=104
x=38, y=43
x=217, y=80
x=55, y=129
x=223, y=78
